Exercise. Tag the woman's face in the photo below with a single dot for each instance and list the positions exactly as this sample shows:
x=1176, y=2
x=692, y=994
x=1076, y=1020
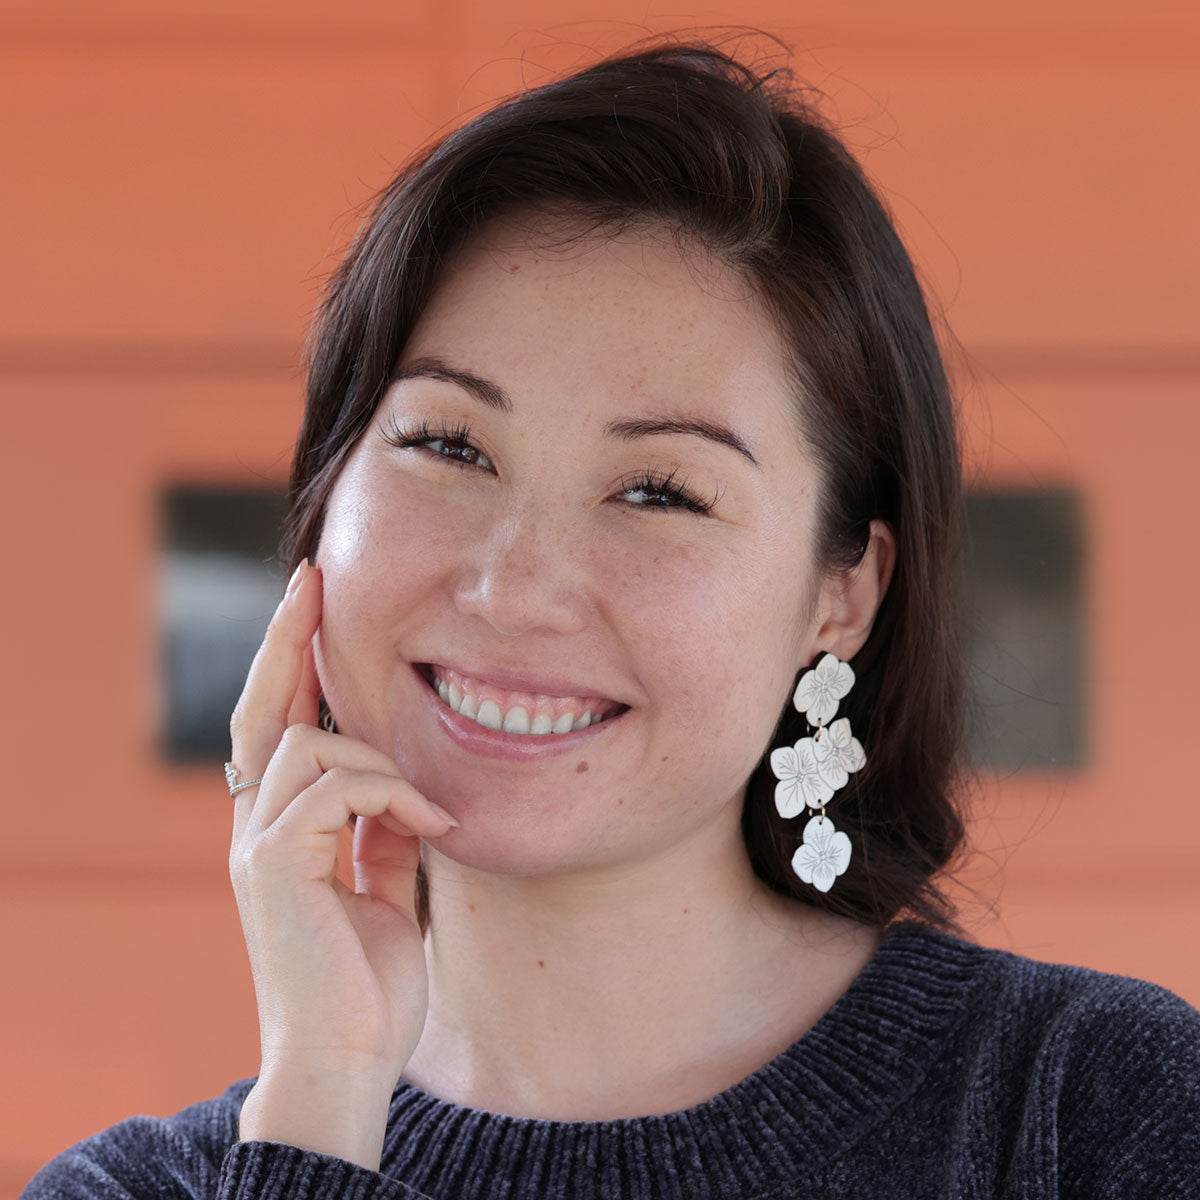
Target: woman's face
x=586, y=493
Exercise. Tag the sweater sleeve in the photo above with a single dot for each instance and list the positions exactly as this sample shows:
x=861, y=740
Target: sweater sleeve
x=195, y=1155
x=1127, y=1058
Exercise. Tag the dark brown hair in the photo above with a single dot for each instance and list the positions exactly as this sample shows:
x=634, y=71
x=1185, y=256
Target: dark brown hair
x=740, y=163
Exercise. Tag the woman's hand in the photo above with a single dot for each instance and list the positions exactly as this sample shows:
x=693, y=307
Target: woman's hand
x=339, y=974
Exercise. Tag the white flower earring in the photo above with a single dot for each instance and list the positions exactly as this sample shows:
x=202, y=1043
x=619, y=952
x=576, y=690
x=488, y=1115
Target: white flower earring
x=817, y=766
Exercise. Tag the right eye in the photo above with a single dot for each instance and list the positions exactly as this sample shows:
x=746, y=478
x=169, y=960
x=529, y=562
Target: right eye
x=446, y=441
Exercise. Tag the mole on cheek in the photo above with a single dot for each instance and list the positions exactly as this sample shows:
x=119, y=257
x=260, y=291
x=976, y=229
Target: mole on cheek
x=579, y=770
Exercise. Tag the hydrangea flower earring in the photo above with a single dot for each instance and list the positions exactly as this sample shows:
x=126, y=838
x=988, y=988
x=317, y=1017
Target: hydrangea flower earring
x=817, y=766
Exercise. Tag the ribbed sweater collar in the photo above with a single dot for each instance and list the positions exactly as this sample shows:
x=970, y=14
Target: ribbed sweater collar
x=806, y=1106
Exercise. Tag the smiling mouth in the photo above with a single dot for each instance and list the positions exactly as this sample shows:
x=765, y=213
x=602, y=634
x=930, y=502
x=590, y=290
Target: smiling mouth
x=516, y=712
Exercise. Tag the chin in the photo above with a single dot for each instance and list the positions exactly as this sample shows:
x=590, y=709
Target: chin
x=492, y=853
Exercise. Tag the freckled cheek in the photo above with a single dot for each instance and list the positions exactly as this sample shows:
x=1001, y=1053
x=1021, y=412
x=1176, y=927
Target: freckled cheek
x=387, y=553
x=705, y=620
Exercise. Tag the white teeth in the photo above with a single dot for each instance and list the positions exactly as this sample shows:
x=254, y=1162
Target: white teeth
x=489, y=715
x=516, y=720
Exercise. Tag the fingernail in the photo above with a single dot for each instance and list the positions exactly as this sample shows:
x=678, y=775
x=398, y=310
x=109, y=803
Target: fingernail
x=441, y=812
x=297, y=577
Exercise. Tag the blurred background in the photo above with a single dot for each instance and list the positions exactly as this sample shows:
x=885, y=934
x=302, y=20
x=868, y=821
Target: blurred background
x=178, y=179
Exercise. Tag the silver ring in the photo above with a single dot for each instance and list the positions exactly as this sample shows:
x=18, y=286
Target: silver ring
x=231, y=778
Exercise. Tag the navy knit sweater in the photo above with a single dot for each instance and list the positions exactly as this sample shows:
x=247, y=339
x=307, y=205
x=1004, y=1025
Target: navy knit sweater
x=945, y=1070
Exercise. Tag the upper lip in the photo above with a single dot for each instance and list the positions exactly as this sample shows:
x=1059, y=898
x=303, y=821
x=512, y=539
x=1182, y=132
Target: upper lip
x=523, y=681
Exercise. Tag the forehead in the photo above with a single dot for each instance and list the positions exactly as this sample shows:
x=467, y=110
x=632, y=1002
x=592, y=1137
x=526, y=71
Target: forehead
x=608, y=315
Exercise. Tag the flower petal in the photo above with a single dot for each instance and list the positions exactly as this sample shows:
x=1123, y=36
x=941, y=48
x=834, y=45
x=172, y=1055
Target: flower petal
x=805, y=862
x=838, y=676
x=784, y=762
x=789, y=799
x=816, y=790
x=817, y=831
x=838, y=733
x=806, y=692
x=833, y=773
x=827, y=667
x=855, y=757
x=823, y=875
x=824, y=746
x=839, y=851
x=821, y=710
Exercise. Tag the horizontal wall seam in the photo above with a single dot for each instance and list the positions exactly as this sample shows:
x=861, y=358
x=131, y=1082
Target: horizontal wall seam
x=1070, y=47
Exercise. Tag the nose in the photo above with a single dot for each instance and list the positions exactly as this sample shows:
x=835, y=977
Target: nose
x=520, y=574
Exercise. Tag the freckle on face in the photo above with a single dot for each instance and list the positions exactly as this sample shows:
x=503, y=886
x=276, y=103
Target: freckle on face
x=402, y=562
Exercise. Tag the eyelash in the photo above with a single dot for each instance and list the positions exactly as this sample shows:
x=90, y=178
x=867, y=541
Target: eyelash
x=674, y=492
x=457, y=436
x=678, y=493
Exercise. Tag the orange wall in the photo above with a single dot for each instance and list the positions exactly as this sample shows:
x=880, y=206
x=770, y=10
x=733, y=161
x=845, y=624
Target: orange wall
x=176, y=179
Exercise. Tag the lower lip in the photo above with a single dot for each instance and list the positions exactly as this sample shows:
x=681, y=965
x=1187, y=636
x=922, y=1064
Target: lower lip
x=495, y=743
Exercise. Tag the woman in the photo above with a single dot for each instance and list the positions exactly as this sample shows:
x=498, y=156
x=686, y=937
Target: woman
x=625, y=515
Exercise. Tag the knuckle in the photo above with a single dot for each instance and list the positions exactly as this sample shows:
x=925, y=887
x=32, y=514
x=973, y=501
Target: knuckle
x=254, y=857
x=337, y=779
x=294, y=738
x=240, y=865
x=237, y=720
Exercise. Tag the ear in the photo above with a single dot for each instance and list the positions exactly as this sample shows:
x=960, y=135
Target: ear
x=849, y=600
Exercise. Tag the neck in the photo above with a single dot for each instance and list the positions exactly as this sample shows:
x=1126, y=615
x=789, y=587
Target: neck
x=620, y=992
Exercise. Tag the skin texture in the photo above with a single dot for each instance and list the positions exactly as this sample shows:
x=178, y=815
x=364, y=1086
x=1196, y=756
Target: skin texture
x=535, y=558
x=599, y=945
x=539, y=565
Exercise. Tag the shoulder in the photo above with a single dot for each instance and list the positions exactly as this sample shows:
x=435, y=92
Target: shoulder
x=143, y=1156
x=1119, y=1060
x=1081, y=1017
x=1098, y=1072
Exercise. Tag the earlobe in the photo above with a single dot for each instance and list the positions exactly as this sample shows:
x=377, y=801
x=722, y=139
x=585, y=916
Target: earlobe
x=851, y=599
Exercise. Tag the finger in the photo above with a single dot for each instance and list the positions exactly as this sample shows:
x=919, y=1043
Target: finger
x=306, y=703
x=303, y=756
x=385, y=864
x=261, y=713
x=303, y=842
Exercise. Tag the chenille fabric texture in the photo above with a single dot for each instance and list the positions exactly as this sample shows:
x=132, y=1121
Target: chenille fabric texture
x=946, y=1070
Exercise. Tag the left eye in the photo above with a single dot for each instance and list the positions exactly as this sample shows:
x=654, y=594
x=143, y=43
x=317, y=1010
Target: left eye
x=457, y=451
x=451, y=442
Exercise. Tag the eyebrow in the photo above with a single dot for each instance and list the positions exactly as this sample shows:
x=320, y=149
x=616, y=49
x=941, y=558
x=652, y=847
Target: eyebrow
x=645, y=426
x=494, y=396
x=491, y=394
